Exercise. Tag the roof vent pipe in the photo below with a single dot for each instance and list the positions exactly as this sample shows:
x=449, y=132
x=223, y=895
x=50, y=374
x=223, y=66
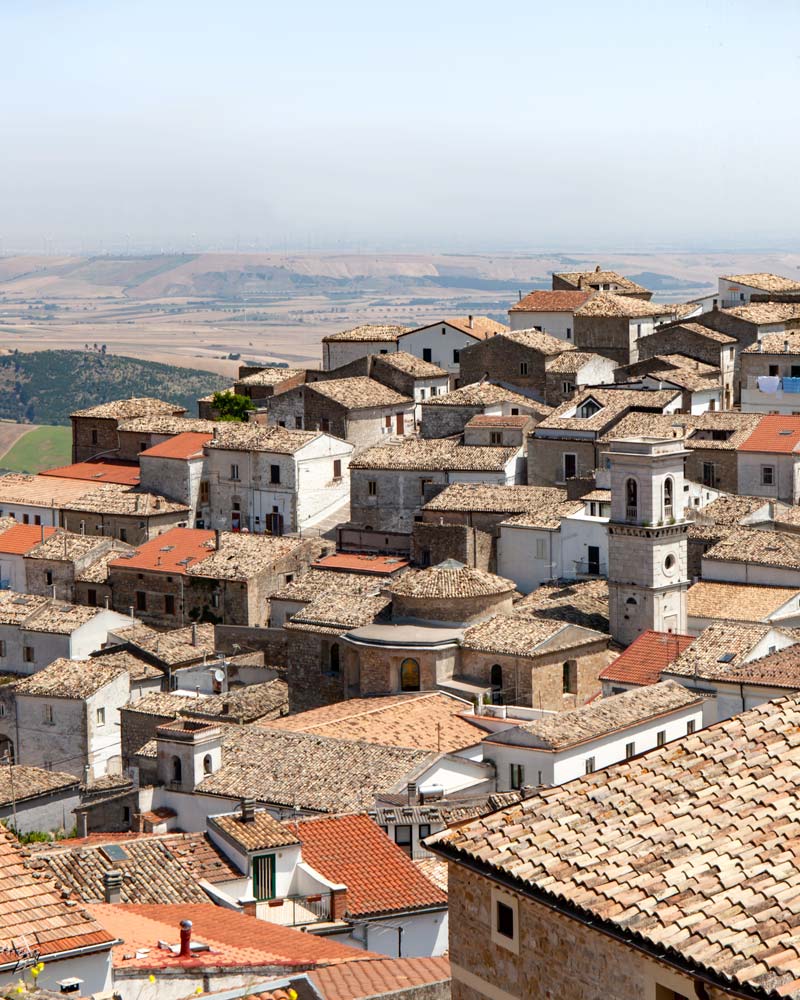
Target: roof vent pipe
x=186, y=938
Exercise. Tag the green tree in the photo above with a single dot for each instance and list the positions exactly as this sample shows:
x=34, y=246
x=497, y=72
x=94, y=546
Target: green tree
x=230, y=406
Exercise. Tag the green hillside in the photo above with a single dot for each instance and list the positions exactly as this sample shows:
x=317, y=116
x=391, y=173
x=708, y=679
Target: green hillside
x=44, y=387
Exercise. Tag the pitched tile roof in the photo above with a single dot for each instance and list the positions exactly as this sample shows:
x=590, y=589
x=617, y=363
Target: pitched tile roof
x=360, y=563
x=645, y=658
x=429, y=721
x=448, y=580
x=18, y=782
x=549, y=301
x=582, y=602
x=258, y=437
x=21, y=538
x=181, y=446
x=774, y=434
x=539, y=341
x=234, y=939
x=65, y=678
x=776, y=343
x=243, y=556
x=368, y=332
x=764, y=281
x=379, y=977
x=736, y=601
x=243, y=704
x=354, y=851
x=125, y=409
x=732, y=428
x=171, y=552
x=591, y=279
x=60, y=618
x=614, y=404
x=42, y=491
x=562, y=730
x=157, y=869
x=481, y=327
x=698, y=330
x=433, y=455
x=100, y=471
x=780, y=669
x=34, y=916
x=546, y=514
x=138, y=669
x=689, y=851
x=17, y=608
x=257, y=834
x=623, y=306
x=569, y=362
x=163, y=424
x=269, y=376
x=358, y=393
x=317, y=583
x=483, y=394
x=719, y=649
x=762, y=313
x=762, y=548
x=174, y=647
x=64, y=546
x=497, y=420
x=309, y=772
x=513, y=635
x=339, y=612
x=409, y=364
x=113, y=498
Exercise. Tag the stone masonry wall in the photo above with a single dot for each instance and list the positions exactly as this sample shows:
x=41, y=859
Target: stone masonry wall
x=311, y=685
x=606, y=335
x=445, y=421
x=504, y=360
x=83, y=447
x=546, y=459
x=136, y=728
x=433, y=543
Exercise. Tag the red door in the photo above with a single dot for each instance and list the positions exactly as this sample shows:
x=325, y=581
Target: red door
x=399, y=423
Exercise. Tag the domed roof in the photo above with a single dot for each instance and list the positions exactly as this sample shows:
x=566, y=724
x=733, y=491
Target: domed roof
x=450, y=579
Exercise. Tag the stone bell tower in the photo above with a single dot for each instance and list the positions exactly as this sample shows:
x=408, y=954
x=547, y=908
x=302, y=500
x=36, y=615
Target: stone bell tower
x=647, y=537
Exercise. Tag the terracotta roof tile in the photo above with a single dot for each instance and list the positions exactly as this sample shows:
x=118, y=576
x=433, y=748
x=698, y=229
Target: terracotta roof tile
x=43, y=491
x=21, y=538
x=484, y=394
x=409, y=364
x=378, y=977
x=160, y=423
x=434, y=455
x=719, y=649
x=102, y=471
x=319, y=583
x=19, y=782
x=112, y=498
x=780, y=669
x=698, y=839
x=258, y=437
x=775, y=435
x=787, y=342
x=125, y=409
x=450, y=579
x=549, y=301
x=490, y=420
x=494, y=498
x=736, y=601
x=178, y=646
x=65, y=678
x=623, y=306
x=354, y=851
x=525, y=637
x=339, y=612
x=367, y=333
x=591, y=279
x=570, y=362
x=269, y=376
x=358, y=393
x=645, y=658
x=614, y=404
x=171, y=552
x=583, y=602
x=762, y=548
x=181, y=446
x=764, y=281
x=257, y=834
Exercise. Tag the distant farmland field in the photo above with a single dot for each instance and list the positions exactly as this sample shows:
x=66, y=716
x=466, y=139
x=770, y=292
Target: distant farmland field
x=38, y=448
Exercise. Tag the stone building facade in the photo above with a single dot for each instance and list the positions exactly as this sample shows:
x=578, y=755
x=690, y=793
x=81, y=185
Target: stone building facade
x=95, y=430
x=518, y=358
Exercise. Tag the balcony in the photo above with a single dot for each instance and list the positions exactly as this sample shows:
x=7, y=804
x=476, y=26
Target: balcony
x=296, y=911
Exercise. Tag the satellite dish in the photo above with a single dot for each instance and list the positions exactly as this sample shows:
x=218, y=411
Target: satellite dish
x=219, y=675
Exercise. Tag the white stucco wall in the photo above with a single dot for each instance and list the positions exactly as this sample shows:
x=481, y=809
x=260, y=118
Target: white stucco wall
x=441, y=339
x=786, y=477
x=342, y=352
x=557, y=324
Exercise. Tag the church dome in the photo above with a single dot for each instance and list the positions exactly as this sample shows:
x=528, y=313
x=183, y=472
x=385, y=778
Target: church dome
x=449, y=591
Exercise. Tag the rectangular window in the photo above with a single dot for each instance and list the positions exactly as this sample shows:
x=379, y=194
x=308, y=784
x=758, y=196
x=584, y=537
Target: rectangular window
x=169, y=604
x=402, y=837
x=567, y=388
x=204, y=491
x=570, y=466
x=28, y=654
x=690, y=727
x=541, y=549
x=767, y=475
x=264, y=876
x=2, y=647
x=337, y=468
x=274, y=473
x=424, y=830
x=325, y=425
x=630, y=750
x=298, y=423
x=387, y=421
x=661, y=737
x=141, y=600
x=94, y=436
x=123, y=534
x=456, y=357
x=91, y=598
x=505, y=919
x=422, y=484
x=37, y=519
x=774, y=370
x=26, y=519
x=516, y=775
x=589, y=767
x=101, y=716
x=495, y=437
x=569, y=333
x=48, y=577
x=709, y=476
x=427, y=354
x=234, y=471
x=523, y=367
x=372, y=488
x=47, y=715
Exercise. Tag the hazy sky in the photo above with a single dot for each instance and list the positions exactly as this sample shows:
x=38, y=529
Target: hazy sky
x=436, y=124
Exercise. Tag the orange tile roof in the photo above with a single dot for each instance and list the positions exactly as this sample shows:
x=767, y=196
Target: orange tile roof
x=124, y=473
x=33, y=915
x=645, y=658
x=547, y=301
x=182, y=446
x=235, y=939
x=357, y=562
x=167, y=552
x=354, y=851
x=20, y=539
x=360, y=980
x=773, y=434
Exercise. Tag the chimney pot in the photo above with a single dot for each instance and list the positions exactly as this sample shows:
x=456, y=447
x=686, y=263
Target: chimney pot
x=216, y=539
x=786, y=346
x=248, y=810
x=112, y=885
x=194, y=634
x=413, y=793
x=470, y=322
x=186, y=938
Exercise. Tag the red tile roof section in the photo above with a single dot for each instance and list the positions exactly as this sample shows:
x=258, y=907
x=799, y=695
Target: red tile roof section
x=32, y=913
x=353, y=562
x=354, y=851
x=360, y=980
x=182, y=446
x=125, y=473
x=547, y=301
x=645, y=658
x=22, y=538
x=235, y=939
x=167, y=552
x=774, y=434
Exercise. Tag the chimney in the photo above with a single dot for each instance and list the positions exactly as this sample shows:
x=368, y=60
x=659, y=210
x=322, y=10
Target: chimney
x=786, y=346
x=186, y=939
x=106, y=601
x=194, y=634
x=216, y=539
x=761, y=347
x=413, y=795
x=130, y=610
x=519, y=295
x=112, y=886
x=469, y=322
x=42, y=530
x=248, y=810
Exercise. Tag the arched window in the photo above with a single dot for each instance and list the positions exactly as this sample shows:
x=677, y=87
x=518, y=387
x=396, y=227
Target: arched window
x=631, y=498
x=177, y=770
x=631, y=600
x=569, y=677
x=207, y=765
x=409, y=675
x=668, y=493
x=334, y=658
x=496, y=677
